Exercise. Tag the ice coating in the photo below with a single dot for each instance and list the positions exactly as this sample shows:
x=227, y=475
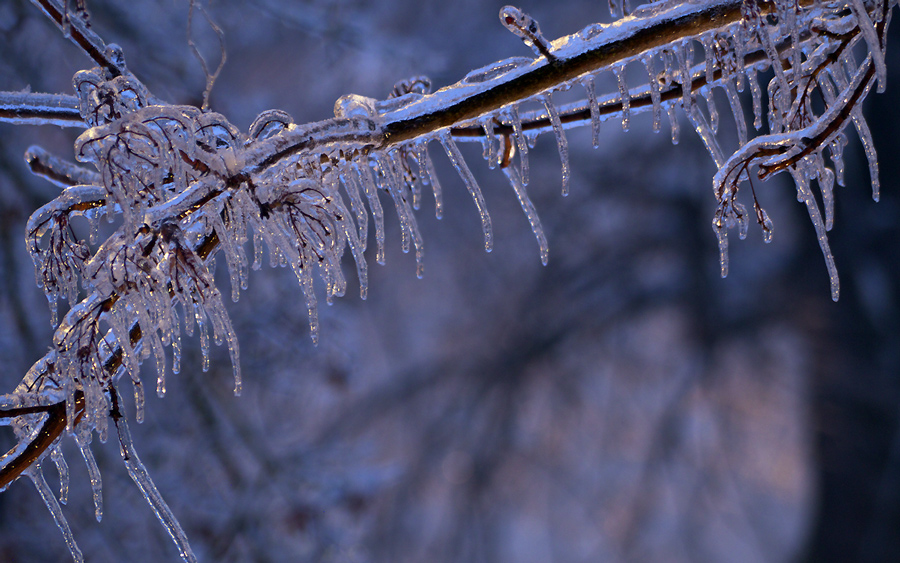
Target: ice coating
x=191, y=186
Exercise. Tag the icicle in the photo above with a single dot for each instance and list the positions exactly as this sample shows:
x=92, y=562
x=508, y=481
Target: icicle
x=826, y=185
x=101, y=422
x=739, y=42
x=187, y=308
x=176, y=347
x=766, y=224
x=462, y=169
x=415, y=187
x=139, y=395
x=257, y=250
x=713, y=112
x=94, y=476
x=234, y=354
x=790, y=22
x=54, y=309
x=365, y=174
x=204, y=339
x=63, y=469
x=588, y=83
x=141, y=477
x=429, y=176
x=806, y=195
x=782, y=98
x=34, y=473
x=865, y=137
x=69, y=387
x=709, y=140
x=418, y=154
x=521, y=141
x=867, y=29
x=673, y=122
x=230, y=245
x=351, y=186
x=836, y=149
x=683, y=56
x=653, y=81
x=391, y=184
x=152, y=335
x=312, y=308
x=530, y=212
x=407, y=219
x=617, y=9
x=743, y=220
x=720, y=228
x=709, y=57
x=93, y=226
x=624, y=96
x=757, y=97
x=735, y=101
x=561, y=142
x=487, y=142
x=118, y=321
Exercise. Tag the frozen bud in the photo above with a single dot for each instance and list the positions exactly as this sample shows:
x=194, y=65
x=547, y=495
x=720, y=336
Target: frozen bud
x=527, y=29
x=115, y=55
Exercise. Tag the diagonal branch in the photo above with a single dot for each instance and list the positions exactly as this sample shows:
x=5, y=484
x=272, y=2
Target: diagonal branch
x=40, y=109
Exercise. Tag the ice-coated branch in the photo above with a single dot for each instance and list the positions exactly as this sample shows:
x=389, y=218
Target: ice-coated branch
x=575, y=55
x=182, y=184
x=108, y=57
x=26, y=108
x=28, y=452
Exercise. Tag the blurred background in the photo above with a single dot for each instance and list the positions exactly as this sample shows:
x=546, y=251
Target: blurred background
x=623, y=403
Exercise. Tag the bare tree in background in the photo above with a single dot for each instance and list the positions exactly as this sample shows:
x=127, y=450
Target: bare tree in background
x=621, y=404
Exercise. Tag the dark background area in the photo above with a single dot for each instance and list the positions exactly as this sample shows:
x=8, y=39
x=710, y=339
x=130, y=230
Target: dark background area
x=623, y=403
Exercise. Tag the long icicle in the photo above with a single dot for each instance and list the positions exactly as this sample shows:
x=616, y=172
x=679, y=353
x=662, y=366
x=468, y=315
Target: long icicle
x=37, y=477
x=588, y=83
x=96, y=480
x=561, y=142
x=462, y=169
x=521, y=142
x=141, y=477
x=530, y=212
